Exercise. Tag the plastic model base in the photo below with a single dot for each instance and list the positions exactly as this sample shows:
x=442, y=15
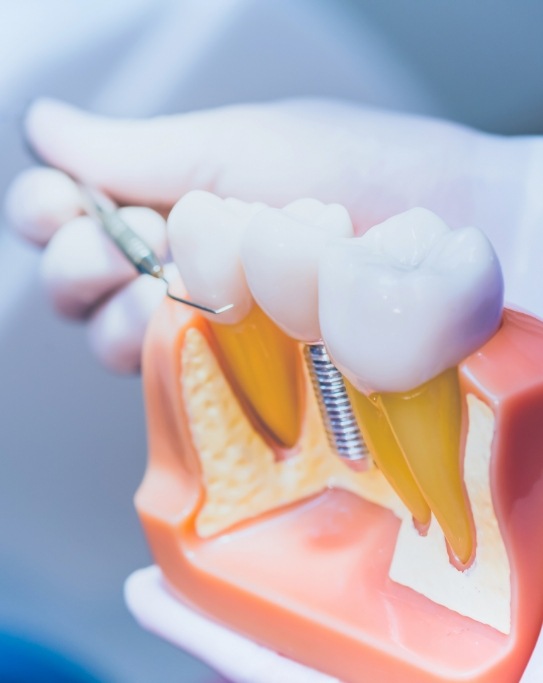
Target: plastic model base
x=158, y=610
x=311, y=580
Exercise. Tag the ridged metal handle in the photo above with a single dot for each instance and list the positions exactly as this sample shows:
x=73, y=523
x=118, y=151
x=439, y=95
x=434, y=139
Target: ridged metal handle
x=337, y=414
x=130, y=243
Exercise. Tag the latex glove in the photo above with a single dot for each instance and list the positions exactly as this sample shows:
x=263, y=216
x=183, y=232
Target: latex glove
x=374, y=163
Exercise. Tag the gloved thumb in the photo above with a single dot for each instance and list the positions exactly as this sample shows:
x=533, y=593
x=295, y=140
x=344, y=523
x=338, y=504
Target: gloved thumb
x=135, y=161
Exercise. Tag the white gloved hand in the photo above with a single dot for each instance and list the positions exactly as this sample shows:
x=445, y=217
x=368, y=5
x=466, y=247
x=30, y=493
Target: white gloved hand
x=376, y=164
x=85, y=275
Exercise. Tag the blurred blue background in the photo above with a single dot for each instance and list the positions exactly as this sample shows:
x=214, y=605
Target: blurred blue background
x=70, y=461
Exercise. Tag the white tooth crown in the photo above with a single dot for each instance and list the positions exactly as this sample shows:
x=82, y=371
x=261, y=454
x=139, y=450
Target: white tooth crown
x=205, y=234
x=408, y=300
x=281, y=251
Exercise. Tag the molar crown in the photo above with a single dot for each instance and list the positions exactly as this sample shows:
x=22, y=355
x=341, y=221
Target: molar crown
x=407, y=300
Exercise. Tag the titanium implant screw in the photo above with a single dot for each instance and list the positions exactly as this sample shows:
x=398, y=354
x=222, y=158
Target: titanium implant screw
x=337, y=414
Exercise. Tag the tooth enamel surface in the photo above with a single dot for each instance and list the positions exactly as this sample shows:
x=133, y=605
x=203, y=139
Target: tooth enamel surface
x=263, y=363
x=281, y=250
x=407, y=300
x=205, y=233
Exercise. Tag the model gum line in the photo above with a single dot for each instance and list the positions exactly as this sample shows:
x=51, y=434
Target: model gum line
x=424, y=567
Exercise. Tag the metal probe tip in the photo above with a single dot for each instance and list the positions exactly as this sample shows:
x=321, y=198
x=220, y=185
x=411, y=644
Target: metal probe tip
x=193, y=304
x=136, y=250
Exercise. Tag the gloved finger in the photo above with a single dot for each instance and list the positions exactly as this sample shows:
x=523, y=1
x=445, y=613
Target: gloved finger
x=116, y=329
x=373, y=163
x=273, y=153
x=376, y=164
x=39, y=201
x=81, y=265
x=140, y=161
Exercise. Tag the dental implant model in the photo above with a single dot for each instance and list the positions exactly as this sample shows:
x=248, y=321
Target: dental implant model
x=426, y=567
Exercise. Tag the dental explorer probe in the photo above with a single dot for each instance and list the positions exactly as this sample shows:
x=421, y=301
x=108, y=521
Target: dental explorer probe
x=104, y=210
x=135, y=249
x=341, y=427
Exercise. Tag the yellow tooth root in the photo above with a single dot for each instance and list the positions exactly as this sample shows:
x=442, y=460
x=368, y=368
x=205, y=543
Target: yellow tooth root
x=387, y=454
x=427, y=424
x=264, y=366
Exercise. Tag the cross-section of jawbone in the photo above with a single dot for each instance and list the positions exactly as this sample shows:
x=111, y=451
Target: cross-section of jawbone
x=323, y=564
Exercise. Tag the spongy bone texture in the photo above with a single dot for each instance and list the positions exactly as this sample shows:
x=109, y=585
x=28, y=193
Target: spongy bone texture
x=241, y=475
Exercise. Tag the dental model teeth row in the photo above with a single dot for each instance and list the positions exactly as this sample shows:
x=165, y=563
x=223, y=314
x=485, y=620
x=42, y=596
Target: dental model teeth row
x=395, y=307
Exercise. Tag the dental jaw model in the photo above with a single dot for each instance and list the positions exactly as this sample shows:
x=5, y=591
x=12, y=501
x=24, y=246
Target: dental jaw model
x=381, y=575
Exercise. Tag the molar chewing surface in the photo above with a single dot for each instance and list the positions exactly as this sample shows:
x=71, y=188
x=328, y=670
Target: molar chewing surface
x=408, y=300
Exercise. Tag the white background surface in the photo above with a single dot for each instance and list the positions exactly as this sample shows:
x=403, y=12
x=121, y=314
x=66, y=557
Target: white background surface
x=72, y=438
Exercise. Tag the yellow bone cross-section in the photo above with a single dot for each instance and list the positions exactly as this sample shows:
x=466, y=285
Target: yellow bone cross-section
x=426, y=421
x=264, y=366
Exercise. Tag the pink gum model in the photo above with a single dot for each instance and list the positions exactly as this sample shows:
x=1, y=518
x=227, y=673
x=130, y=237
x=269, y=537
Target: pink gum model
x=310, y=581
